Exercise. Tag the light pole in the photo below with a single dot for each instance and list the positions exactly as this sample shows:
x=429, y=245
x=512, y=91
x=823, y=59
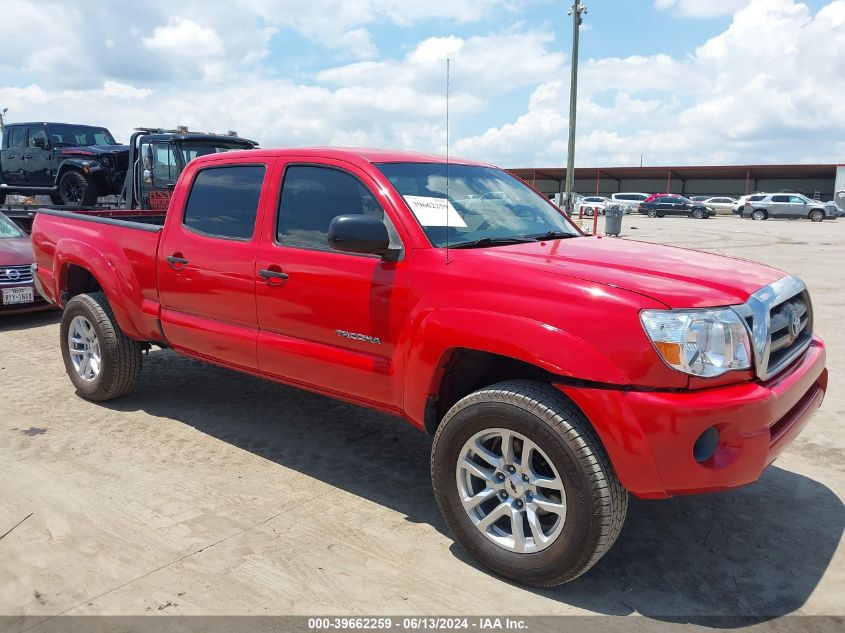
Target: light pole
x=576, y=10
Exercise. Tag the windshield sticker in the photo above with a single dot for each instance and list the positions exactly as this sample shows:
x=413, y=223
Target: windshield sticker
x=435, y=211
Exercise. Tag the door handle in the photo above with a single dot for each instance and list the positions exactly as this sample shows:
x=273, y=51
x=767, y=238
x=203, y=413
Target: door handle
x=176, y=263
x=269, y=275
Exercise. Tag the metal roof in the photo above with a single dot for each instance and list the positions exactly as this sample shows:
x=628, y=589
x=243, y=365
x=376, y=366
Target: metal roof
x=682, y=172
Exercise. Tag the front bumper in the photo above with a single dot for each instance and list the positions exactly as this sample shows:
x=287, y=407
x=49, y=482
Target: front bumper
x=649, y=436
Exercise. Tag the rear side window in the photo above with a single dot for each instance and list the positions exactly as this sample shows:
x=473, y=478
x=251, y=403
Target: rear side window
x=224, y=200
x=314, y=196
x=780, y=198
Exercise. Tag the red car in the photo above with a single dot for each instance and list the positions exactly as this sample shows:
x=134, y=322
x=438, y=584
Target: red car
x=654, y=196
x=16, y=258
x=557, y=372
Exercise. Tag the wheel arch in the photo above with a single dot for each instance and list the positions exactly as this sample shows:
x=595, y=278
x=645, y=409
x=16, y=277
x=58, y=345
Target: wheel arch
x=82, y=269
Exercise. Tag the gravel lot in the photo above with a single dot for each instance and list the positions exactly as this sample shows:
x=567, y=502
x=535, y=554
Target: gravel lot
x=210, y=492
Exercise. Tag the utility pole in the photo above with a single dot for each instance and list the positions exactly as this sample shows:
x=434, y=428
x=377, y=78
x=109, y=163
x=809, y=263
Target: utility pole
x=2, y=122
x=575, y=11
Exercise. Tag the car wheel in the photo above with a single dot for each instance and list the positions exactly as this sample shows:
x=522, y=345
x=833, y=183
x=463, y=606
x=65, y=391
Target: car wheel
x=816, y=215
x=698, y=214
x=524, y=484
x=652, y=213
x=77, y=189
x=2, y=198
x=101, y=361
x=759, y=214
x=56, y=199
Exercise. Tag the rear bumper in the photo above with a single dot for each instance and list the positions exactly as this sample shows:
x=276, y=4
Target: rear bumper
x=649, y=436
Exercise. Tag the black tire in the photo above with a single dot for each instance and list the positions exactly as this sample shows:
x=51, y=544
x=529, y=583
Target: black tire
x=698, y=214
x=76, y=189
x=759, y=214
x=817, y=215
x=56, y=199
x=652, y=213
x=596, y=501
x=120, y=355
x=2, y=198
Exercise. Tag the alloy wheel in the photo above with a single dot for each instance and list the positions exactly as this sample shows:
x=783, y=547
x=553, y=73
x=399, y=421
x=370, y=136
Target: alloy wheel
x=84, y=347
x=511, y=491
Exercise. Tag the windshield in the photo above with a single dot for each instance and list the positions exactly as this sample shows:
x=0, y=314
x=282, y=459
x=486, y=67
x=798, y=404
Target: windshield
x=194, y=150
x=8, y=228
x=484, y=204
x=63, y=135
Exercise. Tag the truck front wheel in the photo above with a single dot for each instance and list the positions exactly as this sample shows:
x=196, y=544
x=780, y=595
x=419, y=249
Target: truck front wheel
x=101, y=361
x=76, y=189
x=524, y=483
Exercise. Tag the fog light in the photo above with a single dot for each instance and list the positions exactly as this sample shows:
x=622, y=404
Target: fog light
x=706, y=445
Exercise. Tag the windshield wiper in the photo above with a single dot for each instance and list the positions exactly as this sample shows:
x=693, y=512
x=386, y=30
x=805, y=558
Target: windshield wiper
x=552, y=235
x=493, y=241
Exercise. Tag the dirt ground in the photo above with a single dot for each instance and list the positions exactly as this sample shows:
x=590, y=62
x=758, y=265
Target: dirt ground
x=210, y=492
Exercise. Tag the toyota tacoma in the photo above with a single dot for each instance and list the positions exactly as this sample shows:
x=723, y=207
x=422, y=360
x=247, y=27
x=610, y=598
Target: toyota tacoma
x=557, y=372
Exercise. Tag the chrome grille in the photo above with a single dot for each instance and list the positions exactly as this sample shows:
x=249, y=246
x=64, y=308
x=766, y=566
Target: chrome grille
x=780, y=319
x=15, y=275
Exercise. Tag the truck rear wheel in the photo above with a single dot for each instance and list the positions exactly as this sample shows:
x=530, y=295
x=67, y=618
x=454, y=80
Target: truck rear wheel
x=101, y=361
x=524, y=483
x=77, y=189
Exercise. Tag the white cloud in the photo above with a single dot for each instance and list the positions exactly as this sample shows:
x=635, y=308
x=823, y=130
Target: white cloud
x=732, y=100
x=182, y=37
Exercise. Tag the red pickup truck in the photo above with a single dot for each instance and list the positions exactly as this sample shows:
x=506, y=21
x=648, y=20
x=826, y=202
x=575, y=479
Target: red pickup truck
x=557, y=372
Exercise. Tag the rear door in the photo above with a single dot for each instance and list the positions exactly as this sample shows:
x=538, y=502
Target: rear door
x=37, y=160
x=780, y=207
x=206, y=262
x=12, y=160
x=330, y=320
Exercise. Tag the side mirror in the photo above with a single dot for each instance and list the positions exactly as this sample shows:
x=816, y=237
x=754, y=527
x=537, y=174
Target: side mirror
x=40, y=142
x=359, y=234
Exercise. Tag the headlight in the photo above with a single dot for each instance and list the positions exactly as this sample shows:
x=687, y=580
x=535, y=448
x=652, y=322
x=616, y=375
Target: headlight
x=704, y=343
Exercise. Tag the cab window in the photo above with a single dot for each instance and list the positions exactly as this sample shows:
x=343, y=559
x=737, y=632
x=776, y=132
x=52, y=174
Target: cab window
x=223, y=201
x=314, y=196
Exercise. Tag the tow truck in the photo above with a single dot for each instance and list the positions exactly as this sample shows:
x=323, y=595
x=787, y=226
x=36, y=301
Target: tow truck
x=156, y=159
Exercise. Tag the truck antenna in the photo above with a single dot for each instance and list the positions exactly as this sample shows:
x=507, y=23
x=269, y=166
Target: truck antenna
x=448, y=61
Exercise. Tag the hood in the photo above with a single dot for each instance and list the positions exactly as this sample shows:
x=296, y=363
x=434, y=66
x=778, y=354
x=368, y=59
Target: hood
x=95, y=149
x=16, y=251
x=676, y=277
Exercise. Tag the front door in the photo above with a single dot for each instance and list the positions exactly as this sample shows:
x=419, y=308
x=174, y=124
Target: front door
x=12, y=159
x=330, y=320
x=206, y=263
x=37, y=160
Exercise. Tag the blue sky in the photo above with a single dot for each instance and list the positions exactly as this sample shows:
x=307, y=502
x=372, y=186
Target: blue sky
x=678, y=81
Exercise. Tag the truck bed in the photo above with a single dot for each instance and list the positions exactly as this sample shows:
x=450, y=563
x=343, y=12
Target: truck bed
x=124, y=259
x=24, y=214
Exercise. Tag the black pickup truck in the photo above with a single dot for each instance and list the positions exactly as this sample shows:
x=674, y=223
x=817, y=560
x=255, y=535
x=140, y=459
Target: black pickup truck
x=73, y=164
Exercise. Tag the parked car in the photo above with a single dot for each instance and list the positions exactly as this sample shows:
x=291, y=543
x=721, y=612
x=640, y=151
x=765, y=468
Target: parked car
x=698, y=198
x=675, y=205
x=73, y=164
x=739, y=205
x=719, y=204
x=590, y=203
x=629, y=199
x=788, y=205
x=16, y=258
x=588, y=370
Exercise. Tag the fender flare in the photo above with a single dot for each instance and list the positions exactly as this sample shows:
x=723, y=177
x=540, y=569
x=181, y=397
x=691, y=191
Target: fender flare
x=119, y=285
x=444, y=330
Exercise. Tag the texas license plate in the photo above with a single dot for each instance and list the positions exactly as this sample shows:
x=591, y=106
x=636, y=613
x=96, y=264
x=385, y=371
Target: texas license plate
x=17, y=295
